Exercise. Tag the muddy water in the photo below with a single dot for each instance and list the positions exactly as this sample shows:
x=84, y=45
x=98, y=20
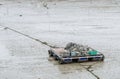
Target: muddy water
x=93, y=24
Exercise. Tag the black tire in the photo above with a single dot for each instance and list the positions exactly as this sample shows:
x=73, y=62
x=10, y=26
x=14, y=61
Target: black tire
x=60, y=61
x=50, y=53
x=56, y=58
x=103, y=58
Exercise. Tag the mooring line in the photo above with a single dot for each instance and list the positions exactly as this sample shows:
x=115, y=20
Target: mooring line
x=42, y=42
x=90, y=71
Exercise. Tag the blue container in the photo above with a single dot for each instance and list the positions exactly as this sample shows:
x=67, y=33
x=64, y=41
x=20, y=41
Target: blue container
x=67, y=60
x=83, y=59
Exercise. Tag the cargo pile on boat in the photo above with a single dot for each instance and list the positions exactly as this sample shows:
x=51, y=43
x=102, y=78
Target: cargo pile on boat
x=75, y=53
x=79, y=50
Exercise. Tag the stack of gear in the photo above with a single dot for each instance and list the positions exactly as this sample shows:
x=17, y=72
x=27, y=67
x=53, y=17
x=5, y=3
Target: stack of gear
x=79, y=50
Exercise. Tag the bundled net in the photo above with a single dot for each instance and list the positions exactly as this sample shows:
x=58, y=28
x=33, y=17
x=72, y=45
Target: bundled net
x=77, y=49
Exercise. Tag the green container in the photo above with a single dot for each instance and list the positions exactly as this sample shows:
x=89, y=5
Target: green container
x=92, y=52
